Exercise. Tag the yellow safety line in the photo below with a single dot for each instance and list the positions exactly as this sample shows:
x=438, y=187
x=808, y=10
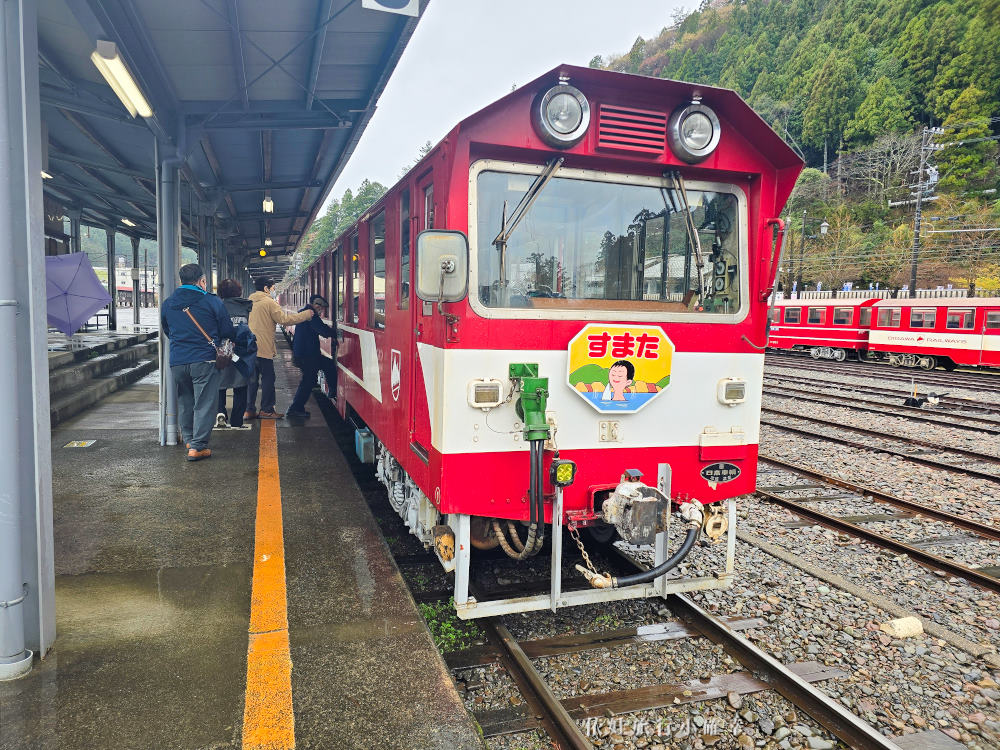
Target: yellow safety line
x=268, y=721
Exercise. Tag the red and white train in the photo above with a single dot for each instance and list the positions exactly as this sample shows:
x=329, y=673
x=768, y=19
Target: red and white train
x=924, y=333
x=557, y=318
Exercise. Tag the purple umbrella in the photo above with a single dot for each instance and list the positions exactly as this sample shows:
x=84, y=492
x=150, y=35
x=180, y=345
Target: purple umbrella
x=73, y=290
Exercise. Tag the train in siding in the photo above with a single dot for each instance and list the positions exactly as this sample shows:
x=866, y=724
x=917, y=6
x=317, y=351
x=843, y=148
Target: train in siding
x=556, y=320
x=924, y=333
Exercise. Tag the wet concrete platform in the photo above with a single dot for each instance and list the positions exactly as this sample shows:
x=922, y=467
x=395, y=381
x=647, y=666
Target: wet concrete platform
x=154, y=559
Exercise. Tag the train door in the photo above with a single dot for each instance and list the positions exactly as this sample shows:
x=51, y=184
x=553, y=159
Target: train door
x=991, y=337
x=422, y=217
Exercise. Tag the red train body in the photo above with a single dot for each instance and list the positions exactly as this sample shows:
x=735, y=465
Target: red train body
x=635, y=280
x=924, y=333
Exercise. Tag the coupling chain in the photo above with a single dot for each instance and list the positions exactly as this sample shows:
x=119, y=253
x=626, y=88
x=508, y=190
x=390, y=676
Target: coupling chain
x=573, y=532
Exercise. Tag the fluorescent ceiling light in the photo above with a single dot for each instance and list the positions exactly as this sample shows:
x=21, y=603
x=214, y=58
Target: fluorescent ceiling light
x=128, y=222
x=267, y=242
x=46, y=175
x=268, y=205
x=112, y=67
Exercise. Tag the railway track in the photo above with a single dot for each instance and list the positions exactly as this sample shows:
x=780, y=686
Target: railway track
x=972, y=380
x=855, y=525
x=947, y=402
x=922, y=459
x=560, y=717
x=859, y=403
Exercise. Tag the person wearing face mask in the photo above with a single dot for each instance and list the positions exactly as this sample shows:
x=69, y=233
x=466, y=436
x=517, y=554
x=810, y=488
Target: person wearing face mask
x=192, y=355
x=264, y=316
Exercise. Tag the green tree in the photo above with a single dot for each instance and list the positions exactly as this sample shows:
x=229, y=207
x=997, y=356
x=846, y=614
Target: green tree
x=970, y=163
x=883, y=110
x=831, y=101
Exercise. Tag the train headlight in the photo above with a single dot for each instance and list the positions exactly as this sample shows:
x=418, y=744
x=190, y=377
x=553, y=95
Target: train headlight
x=732, y=391
x=561, y=115
x=562, y=473
x=693, y=132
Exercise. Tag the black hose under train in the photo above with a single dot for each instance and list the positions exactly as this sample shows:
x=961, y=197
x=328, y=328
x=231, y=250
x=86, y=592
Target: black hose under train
x=664, y=567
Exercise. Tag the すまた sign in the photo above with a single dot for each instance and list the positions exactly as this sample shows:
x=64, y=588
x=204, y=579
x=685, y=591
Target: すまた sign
x=619, y=369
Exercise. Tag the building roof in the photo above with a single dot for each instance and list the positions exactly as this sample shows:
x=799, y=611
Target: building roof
x=255, y=96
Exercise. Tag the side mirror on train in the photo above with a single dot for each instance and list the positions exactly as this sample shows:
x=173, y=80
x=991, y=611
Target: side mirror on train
x=442, y=265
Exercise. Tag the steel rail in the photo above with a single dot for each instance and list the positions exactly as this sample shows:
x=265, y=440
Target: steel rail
x=834, y=717
x=991, y=426
x=942, y=382
x=557, y=722
x=876, y=369
x=985, y=530
x=978, y=455
x=843, y=724
x=925, y=558
x=931, y=462
x=950, y=401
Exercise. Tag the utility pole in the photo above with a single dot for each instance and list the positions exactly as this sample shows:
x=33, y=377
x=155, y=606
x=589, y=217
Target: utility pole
x=926, y=147
x=802, y=254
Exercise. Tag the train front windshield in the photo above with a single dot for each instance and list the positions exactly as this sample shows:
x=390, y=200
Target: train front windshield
x=590, y=243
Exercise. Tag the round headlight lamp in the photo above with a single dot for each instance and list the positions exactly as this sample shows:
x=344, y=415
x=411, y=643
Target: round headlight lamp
x=693, y=132
x=561, y=115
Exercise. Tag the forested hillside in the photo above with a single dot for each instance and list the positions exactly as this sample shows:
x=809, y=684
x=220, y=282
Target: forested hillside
x=850, y=84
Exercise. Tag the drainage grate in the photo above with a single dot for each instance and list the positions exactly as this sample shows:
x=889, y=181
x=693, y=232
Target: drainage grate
x=632, y=129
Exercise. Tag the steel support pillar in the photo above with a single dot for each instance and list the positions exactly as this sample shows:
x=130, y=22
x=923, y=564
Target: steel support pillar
x=27, y=578
x=168, y=231
x=112, y=281
x=135, y=280
x=74, y=230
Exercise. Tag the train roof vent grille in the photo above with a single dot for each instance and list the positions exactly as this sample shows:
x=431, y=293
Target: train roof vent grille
x=632, y=129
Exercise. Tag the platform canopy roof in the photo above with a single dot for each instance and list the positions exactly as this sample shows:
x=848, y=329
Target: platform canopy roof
x=259, y=98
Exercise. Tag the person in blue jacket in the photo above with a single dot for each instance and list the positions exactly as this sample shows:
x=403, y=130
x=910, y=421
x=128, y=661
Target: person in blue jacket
x=192, y=356
x=305, y=347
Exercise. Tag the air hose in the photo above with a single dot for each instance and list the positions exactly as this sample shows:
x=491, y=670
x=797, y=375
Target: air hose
x=513, y=546
x=664, y=567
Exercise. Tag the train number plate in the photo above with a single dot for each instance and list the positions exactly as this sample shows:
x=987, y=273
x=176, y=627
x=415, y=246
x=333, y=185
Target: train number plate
x=721, y=472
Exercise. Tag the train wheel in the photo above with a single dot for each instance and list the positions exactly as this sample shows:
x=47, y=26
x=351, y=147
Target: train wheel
x=839, y=355
x=602, y=533
x=481, y=533
x=927, y=363
x=894, y=360
x=815, y=352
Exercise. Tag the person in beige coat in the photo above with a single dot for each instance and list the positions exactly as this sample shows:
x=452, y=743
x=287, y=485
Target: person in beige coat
x=264, y=316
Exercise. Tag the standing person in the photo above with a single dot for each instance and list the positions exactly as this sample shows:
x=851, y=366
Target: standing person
x=305, y=347
x=192, y=356
x=264, y=316
x=239, y=312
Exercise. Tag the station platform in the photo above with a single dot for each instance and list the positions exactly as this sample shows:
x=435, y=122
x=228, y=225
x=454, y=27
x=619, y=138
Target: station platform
x=245, y=601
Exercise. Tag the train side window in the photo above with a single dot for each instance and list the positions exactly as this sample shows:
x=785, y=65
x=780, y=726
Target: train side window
x=817, y=315
x=993, y=319
x=774, y=315
x=842, y=316
x=429, y=207
x=962, y=319
x=865, y=318
x=922, y=317
x=793, y=314
x=404, y=250
x=339, y=259
x=376, y=287
x=888, y=317
x=355, y=281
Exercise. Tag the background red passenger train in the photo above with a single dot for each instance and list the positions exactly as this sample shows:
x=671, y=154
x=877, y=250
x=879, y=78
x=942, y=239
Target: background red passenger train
x=557, y=318
x=924, y=333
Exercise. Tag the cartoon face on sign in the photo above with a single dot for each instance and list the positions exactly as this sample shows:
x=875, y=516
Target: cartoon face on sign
x=619, y=369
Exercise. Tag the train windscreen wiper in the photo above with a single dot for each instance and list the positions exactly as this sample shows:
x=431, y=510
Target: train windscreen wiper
x=507, y=226
x=678, y=188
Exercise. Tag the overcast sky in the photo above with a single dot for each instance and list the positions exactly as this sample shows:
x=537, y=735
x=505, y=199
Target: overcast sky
x=468, y=53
